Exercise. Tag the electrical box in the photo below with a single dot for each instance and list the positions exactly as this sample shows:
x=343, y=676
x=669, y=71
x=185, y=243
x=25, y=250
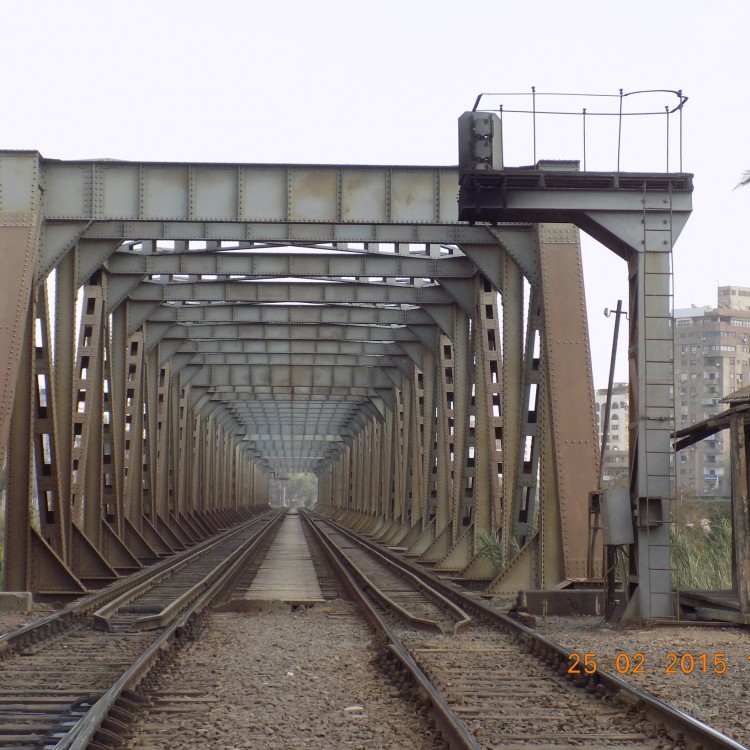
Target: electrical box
x=617, y=521
x=480, y=142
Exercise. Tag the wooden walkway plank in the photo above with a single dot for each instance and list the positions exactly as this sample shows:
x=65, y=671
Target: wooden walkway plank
x=287, y=573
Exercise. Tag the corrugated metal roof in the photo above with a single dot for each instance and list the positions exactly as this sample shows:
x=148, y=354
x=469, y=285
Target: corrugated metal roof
x=739, y=396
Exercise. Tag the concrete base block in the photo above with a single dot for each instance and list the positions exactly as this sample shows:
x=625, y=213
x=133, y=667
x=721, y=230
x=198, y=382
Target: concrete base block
x=16, y=601
x=566, y=602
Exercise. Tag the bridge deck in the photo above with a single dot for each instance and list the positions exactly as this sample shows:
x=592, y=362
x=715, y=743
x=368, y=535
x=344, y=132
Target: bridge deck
x=287, y=573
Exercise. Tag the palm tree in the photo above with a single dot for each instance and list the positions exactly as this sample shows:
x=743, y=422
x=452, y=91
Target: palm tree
x=745, y=179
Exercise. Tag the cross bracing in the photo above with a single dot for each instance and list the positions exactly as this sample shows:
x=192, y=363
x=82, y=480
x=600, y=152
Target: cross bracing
x=176, y=334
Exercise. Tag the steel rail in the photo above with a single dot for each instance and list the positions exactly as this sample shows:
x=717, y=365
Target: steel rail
x=453, y=730
x=694, y=732
x=463, y=620
x=168, y=613
x=92, y=727
x=102, y=617
x=57, y=621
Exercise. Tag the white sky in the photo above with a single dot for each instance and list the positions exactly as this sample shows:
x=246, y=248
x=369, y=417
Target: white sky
x=383, y=83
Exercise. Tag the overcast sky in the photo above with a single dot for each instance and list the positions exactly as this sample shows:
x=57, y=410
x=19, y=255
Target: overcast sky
x=384, y=83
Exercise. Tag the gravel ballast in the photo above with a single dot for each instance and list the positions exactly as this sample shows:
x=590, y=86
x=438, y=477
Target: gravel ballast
x=706, y=693
x=281, y=680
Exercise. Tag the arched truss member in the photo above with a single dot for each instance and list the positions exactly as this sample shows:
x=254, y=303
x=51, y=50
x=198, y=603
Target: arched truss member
x=213, y=324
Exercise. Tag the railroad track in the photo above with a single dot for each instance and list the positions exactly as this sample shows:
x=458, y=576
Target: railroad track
x=391, y=584
x=69, y=680
x=500, y=685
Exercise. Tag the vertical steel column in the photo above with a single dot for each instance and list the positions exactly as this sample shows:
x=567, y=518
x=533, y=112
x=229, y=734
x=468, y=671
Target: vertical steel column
x=64, y=364
x=150, y=438
x=174, y=444
x=20, y=224
x=118, y=397
x=512, y=407
x=208, y=492
x=109, y=477
x=85, y=497
x=133, y=466
x=413, y=455
x=651, y=411
x=184, y=442
x=429, y=437
x=399, y=485
x=19, y=515
x=388, y=463
x=51, y=515
x=163, y=442
x=462, y=377
x=571, y=460
x=487, y=457
x=446, y=426
x=375, y=462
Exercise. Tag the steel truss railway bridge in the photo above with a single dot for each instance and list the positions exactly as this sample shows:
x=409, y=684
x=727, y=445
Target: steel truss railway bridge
x=174, y=335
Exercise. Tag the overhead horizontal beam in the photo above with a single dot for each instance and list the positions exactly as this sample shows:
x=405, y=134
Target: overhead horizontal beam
x=289, y=264
x=252, y=346
x=320, y=396
x=263, y=392
x=281, y=314
x=270, y=439
x=306, y=292
x=104, y=190
x=308, y=233
x=197, y=334
x=280, y=375
x=293, y=360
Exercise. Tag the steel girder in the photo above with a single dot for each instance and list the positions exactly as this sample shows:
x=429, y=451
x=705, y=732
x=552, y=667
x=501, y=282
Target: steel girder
x=197, y=364
x=285, y=263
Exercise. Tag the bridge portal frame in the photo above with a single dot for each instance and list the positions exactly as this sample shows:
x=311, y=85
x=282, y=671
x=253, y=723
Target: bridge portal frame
x=72, y=217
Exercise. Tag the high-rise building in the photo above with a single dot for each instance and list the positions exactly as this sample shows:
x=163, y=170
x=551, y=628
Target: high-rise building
x=711, y=360
x=615, y=468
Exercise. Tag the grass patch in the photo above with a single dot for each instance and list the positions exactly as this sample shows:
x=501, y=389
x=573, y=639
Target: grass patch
x=702, y=554
x=490, y=547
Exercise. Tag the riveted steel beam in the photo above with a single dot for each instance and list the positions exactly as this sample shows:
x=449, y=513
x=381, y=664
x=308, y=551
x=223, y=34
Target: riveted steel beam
x=20, y=226
x=272, y=314
x=281, y=233
x=311, y=346
x=289, y=264
x=342, y=376
x=287, y=333
x=303, y=292
x=246, y=192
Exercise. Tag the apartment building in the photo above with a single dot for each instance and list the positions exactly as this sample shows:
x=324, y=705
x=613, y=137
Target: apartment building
x=616, y=453
x=711, y=360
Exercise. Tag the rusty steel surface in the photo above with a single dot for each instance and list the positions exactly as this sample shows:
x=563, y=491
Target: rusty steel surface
x=213, y=326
